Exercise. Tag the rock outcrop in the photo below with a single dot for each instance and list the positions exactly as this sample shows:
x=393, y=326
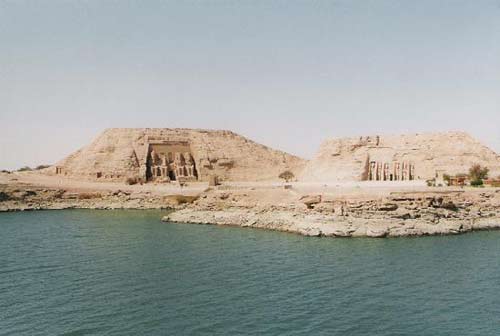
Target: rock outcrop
x=396, y=214
x=399, y=157
x=150, y=153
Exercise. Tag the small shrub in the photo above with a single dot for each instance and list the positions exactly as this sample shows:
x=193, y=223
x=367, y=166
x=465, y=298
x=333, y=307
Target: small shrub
x=25, y=168
x=476, y=173
x=39, y=167
x=286, y=175
x=476, y=183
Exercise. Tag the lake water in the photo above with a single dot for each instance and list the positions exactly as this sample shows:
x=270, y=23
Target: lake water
x=83, y=272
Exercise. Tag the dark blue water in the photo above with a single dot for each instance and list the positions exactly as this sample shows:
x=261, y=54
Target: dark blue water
x=83, y=272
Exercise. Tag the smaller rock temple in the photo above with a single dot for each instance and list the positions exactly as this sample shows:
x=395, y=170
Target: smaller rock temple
x=391, y=171
x=400, y=157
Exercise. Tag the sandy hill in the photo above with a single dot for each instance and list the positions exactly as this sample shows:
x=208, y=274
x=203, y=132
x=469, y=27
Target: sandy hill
x=399, y=157
x=172, y=154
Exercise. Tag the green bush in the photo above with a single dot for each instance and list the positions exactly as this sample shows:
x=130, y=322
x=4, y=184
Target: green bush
x=476, y=183
x=286, y=175
x=476, y=173
x=42, y=167
x=25, y=168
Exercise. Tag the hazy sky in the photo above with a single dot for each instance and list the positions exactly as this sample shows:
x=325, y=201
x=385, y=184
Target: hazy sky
x=284, y=73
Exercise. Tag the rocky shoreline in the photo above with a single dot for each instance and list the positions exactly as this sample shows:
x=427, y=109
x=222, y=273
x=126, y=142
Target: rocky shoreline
x=329, y=226
x=393, y=214
x=25, y=198
x=399, y=214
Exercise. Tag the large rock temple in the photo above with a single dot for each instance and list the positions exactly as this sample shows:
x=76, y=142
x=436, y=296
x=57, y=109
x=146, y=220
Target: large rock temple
x=163, y=155
x=399, y=157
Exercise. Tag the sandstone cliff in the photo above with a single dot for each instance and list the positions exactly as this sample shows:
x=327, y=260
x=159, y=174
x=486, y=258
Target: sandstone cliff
x=399, y=157
x=120, y=153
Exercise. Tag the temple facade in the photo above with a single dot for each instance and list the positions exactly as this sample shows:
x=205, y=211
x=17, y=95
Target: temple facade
x=391, y=171
x=171, y=161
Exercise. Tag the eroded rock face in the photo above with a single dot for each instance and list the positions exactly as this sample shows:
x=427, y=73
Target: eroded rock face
x=161, y=153
x=399, y=157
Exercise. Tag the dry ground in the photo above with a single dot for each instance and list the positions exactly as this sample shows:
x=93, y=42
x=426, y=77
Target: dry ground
x=265, y=192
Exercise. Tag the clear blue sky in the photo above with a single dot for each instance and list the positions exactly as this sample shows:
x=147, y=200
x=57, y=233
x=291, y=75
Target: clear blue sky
x=285, y=73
